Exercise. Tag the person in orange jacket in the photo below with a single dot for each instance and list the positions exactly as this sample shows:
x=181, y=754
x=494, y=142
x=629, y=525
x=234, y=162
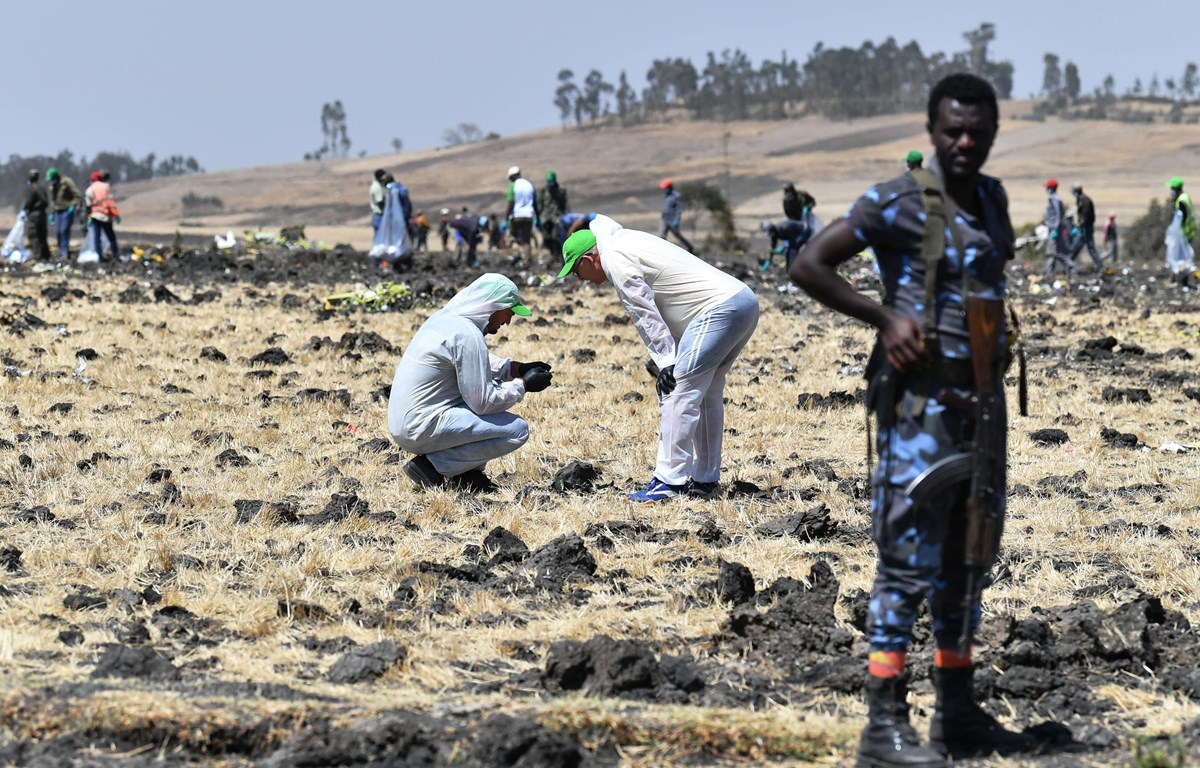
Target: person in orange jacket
x=102, y=212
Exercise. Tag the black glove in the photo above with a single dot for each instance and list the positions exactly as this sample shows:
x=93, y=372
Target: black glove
x=536, y=379
x=523, y=368
x=665, y=384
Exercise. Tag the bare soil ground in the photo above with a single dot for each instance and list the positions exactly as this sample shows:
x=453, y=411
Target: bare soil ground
x=210, y=555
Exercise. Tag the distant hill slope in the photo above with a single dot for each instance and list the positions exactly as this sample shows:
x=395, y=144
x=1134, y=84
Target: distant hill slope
x=617, y=170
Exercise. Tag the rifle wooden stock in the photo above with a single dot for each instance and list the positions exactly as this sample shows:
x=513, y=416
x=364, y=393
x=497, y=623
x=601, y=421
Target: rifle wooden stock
x=985, y=318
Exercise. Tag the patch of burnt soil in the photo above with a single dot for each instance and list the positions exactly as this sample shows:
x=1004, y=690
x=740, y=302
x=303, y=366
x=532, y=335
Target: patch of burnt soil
x=795, y=635
x=1046, y=666
x=291, y=738
x=408, y=739
x=622, y=668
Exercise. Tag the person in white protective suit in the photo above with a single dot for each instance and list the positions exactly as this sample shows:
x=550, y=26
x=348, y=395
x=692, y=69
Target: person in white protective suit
x=450, y=397
x=694, y=320
x=392, y=241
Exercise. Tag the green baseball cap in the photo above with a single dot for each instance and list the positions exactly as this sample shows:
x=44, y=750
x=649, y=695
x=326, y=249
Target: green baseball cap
x=914, y=156
x=551, y=176
x=1175, y=183
x=576, y=245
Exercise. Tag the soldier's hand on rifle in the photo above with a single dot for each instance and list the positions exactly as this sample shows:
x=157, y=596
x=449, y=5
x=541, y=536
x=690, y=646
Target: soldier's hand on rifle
x=904, y=342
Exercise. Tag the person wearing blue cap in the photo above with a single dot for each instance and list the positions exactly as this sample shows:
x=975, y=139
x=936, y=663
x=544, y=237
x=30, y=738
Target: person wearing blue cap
x=450, y=397
x=695, y=320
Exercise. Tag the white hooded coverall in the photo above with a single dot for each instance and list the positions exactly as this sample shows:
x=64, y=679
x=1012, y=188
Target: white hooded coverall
x=450, y=396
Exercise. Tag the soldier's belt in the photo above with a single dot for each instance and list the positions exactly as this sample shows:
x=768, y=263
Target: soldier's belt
x=952, y=371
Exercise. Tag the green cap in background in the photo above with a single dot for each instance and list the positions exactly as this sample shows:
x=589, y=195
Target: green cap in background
x=914, y=156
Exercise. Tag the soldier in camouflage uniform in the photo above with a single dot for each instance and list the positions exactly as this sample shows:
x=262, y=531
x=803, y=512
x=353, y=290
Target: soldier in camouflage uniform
x=921, y=546
x=552, y=204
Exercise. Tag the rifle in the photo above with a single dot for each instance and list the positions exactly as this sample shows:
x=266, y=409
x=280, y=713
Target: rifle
x=976, y=465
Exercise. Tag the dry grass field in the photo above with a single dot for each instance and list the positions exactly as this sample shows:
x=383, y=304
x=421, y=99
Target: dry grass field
x=211, y=554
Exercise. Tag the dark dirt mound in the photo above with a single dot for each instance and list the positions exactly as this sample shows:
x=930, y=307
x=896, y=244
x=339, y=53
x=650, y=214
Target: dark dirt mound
x=135, y=661
x=504, y=546
x=563, y=560
x=414, y=740
x=624, y=668
x=809, y=525
x=1049, y=436
x=367, y=662
x=796, y=634
x=577, y=476
x=735, y=583
x=503, y=740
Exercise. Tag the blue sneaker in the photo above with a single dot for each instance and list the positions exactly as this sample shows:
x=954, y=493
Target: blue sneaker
x=657, y=491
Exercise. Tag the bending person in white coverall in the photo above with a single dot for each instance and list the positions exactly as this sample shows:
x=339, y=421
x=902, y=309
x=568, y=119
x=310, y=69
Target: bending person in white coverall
x=694, y=320
x=450, y=398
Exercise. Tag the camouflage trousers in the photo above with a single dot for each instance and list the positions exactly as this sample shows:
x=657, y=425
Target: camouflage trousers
x=920, y=546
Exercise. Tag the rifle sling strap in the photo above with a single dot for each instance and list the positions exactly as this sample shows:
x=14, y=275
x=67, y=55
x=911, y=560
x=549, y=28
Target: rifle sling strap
x=941, y=213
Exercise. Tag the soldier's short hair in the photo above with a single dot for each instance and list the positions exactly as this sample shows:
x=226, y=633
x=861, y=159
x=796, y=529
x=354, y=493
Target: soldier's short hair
x=965, y=89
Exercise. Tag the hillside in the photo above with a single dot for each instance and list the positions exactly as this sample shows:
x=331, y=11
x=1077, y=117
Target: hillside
x=617, y=171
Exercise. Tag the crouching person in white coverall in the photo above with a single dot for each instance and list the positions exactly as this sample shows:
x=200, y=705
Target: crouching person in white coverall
x=694, y=320
x=450, y=398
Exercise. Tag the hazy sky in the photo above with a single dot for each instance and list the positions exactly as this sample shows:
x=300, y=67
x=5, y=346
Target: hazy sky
x=242, y=83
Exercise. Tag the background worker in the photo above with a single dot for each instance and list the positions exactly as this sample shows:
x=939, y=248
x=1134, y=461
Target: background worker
x=1181, y=232
x=64, y=199
x=1085, y=219
x=377, y=197
x=1112, y=245
x=521, y=211
x=37, y=203
x=1183, y=208
x=571, y=222
x=672, y=214
x=420, y=227
x=1057, y=247
x=787, y=238
x=552, y=204
x=923, y=350
x=450, y=396
x=694, y=320
x=797, y=204
x=913, y=160
x=102, y=213
x=470, y=229
x=444, y=228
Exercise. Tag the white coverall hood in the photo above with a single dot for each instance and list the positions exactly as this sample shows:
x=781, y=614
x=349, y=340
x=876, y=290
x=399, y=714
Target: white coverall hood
x=489, y=293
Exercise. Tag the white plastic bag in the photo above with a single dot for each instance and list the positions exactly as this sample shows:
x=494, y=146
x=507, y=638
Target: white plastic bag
x=1180, y=257
x=391, y=239
x=14, y=245
x=87, y=254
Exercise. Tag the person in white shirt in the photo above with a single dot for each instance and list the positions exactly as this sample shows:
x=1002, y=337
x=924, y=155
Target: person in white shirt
x=694, y=320
x=522, y=210
x=450, y=397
